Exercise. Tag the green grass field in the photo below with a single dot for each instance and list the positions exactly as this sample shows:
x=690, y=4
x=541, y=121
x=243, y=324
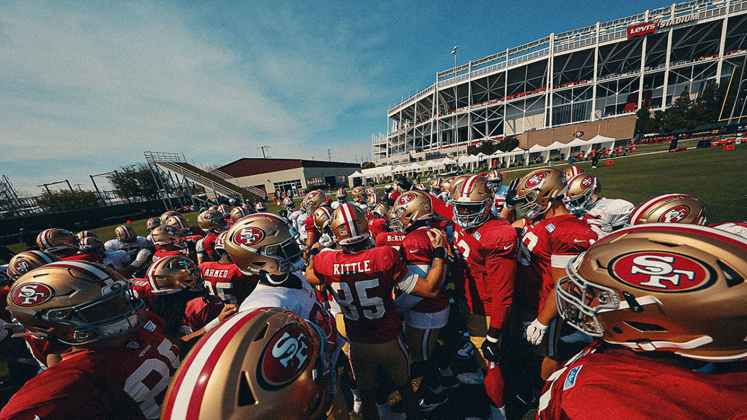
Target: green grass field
x=713, y=176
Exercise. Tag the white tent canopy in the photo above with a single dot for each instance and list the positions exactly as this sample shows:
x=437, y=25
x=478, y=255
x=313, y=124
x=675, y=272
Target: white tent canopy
x=447, y=161
x=577, y=142
x=601, y=139
x=356, y=174
x=537, y=148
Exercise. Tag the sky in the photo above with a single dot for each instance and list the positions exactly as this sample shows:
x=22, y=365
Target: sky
x=87, y=86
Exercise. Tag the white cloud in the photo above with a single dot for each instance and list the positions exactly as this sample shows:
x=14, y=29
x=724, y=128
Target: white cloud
x=103, y=83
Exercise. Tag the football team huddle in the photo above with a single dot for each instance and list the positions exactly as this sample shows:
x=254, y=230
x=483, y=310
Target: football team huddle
x=606, y=309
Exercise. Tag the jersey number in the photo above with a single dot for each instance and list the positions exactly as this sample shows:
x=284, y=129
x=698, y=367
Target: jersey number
x=219, y=291
x=373, y=307
x=528, y=242
x=150, y=399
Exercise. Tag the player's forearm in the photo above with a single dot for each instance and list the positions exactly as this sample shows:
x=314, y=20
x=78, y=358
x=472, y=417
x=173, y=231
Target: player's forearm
x=549, y=310
x=428, y=287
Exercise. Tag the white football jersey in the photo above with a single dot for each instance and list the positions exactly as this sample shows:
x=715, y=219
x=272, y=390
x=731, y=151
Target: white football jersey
x=297, y=219
x=302, y=302
x=117, y=259
x=614, y=211
x=132, y=248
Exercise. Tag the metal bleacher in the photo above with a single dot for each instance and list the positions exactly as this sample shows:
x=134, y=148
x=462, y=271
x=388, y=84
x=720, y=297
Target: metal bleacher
x=215, y=181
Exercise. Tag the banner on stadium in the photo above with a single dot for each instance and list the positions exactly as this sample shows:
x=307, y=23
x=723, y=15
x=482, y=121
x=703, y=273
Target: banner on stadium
x=643, y=29
x=650, y=27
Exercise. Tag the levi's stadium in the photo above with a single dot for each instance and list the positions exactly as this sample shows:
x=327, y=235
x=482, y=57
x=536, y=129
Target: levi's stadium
x=579, y=83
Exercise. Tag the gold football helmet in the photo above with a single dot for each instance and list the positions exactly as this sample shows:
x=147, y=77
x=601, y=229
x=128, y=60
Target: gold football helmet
x=458, y=180
x=223, y=208
x=220, y=242
x=662, y=287
x=85, y=234
x=237, y=213
x=471, y=201
x=536, y=191
x=322, y=216
x=582, y=191
x=264, y=242
x=342, y=195
x=446, y=185
x=264, y=364
x=125, y=234
x=167, y=235
x=312, y=201
x=165, y=216
x=179, y=223
x=571, y=172
x=372, y=191
x=436, y=185
x=495, y=179
x=349, y=224
x=153, y=223
x=382, y=210
x=174, y=274
x=75, y=302
x=359, y=195
x=669, y=208
x=57, y=241
x=25, y=261
x=92, y=245
x=409, y=208
x=212, y=220
x=373, y=201
x=260, y=207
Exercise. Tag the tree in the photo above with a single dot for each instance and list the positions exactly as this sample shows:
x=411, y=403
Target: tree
x=643, y=117
x=508, y=144
x=367, y=165
x=134, y=182
x=66, y=200
x=486, y=147
x=678, y=116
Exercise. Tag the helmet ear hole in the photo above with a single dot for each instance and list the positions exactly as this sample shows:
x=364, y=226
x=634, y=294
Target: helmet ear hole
x=645, y=327
x=246, y=397
x=732, y=277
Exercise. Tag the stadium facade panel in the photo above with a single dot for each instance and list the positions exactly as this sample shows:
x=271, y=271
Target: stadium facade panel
x=606, y=70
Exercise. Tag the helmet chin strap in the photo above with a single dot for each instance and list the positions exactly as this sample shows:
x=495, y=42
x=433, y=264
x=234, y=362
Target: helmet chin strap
x=274, y=282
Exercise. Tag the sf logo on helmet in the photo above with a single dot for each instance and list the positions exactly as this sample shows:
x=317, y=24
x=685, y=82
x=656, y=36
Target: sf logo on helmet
x=659, y=271
x=536, y=179
x=22, y=266
x=406, y=199
x=675, y=215
x=250, y=236
x=288, y=348
x=31, y=294
x=586, y=182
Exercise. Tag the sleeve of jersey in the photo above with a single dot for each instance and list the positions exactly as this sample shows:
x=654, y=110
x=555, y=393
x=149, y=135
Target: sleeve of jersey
x=440, y=208
x=620, y=212
x=62, y=398
x=208, y=244
x=565, y=246
x=320, y=263
x=309, y=225
x=500, y=265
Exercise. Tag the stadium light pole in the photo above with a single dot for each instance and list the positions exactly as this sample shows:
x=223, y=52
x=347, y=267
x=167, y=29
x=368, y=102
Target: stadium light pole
x=456, y=118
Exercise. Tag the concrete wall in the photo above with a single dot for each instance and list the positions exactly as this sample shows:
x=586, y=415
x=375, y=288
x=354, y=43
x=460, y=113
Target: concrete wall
x=303, y=174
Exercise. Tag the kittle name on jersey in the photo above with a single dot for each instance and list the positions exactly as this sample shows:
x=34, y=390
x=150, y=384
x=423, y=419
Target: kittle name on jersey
x=214, y=272
x=353, y=268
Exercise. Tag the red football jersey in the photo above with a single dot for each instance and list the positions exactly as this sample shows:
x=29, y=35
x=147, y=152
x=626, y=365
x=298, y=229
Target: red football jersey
x=377, y=226
x=310, y=226
x=560, y=237
x=208, y=243
x=362, y=284
x=392, y=239
x=487, y=255
x=417, y=250
x=227, y=282
x=126, y=382
x=602, y=384
x=40, y=348
x=5, y=315
x=198, y=312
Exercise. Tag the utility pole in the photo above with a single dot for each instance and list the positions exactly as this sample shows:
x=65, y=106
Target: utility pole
x=264, y=156
x=329, y=154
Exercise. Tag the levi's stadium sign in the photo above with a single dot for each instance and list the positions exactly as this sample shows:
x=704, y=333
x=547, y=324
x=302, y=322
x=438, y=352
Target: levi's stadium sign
x=650, y=27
